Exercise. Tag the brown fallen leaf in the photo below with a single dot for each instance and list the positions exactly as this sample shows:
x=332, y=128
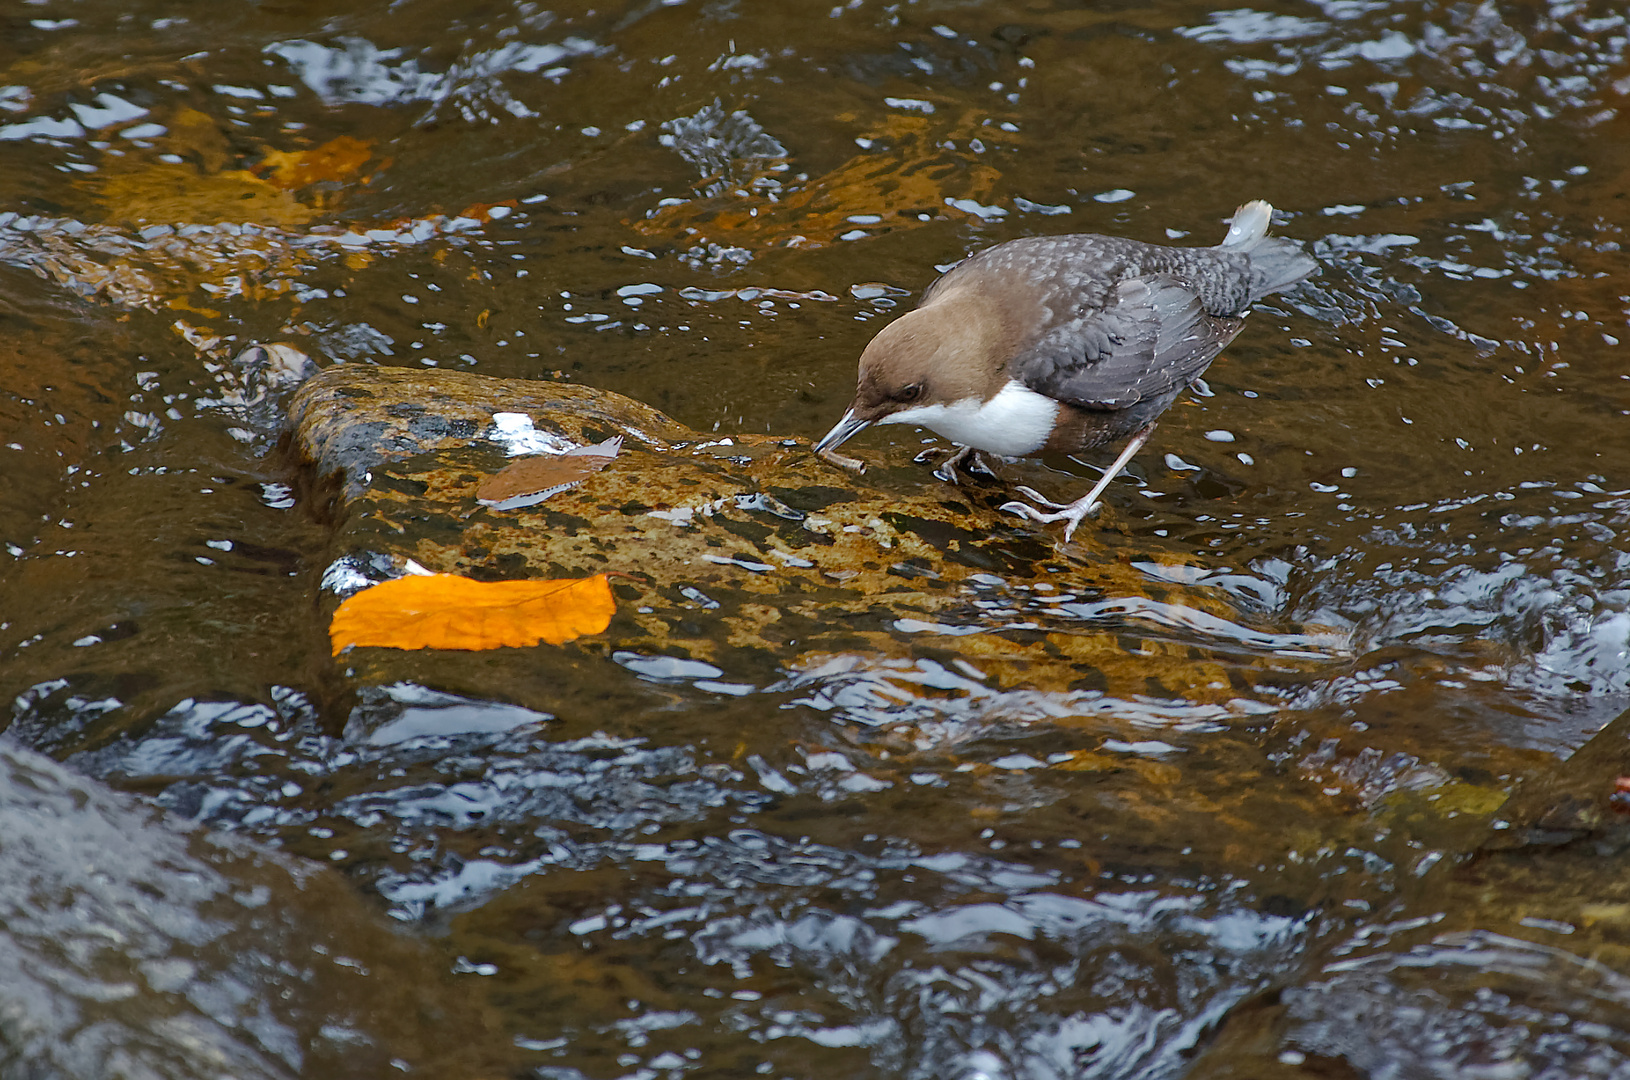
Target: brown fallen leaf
x=532, y=479
x=446, y=611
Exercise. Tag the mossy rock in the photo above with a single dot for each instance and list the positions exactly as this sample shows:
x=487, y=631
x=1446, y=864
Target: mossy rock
x=748, y=553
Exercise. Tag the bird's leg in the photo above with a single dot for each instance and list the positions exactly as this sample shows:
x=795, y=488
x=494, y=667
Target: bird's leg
x=1080, y=508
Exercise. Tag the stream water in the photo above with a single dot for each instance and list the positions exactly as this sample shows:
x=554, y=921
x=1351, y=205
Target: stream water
x=1413, y=469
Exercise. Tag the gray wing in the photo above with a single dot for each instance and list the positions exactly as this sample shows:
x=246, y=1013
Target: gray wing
x=1152, y=337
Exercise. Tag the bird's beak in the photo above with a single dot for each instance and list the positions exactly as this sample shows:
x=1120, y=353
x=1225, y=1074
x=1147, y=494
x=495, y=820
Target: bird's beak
x=846, y=428
x=850, y=425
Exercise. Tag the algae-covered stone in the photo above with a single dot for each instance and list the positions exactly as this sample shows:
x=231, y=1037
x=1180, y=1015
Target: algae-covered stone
x=747, y=553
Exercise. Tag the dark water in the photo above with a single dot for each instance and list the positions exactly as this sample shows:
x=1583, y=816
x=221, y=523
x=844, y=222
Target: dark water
x=879, y=863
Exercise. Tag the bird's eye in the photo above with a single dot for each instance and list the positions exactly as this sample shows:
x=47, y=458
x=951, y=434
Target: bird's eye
x=912, y=392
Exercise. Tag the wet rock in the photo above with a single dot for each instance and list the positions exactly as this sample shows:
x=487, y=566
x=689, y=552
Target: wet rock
x=349, y=421
x=744, y=552
x=136, y=948
x=1568, y=800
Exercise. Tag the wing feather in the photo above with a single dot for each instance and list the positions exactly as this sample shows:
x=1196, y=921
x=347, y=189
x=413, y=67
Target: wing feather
x=1153, y=337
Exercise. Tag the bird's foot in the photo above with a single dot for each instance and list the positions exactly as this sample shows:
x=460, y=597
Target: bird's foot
x=1086, y=504
x=1072, y=513
x=964, y=457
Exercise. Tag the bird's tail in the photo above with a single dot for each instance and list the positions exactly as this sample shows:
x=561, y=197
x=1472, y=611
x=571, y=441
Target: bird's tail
x=1276, y=263
x=1250, y=225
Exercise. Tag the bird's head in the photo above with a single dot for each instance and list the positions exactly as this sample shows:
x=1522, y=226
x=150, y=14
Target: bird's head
x=949, y=351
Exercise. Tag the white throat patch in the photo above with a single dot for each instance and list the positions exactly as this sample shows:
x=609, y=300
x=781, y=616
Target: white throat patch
x=1014, y=423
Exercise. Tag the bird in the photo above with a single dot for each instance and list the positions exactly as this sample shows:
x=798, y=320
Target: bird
x=1064, y=343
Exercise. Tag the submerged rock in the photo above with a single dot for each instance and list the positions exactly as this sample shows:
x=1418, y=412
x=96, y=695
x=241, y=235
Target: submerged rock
x=135, y=947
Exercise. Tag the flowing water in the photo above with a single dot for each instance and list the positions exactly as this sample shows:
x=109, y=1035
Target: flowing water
x=1384, y=843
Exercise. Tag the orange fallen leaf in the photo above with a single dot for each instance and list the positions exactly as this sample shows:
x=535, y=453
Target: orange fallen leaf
x=446, y=611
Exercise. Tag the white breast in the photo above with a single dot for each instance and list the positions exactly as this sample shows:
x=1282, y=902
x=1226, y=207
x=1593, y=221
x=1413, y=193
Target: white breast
x=1014, y=423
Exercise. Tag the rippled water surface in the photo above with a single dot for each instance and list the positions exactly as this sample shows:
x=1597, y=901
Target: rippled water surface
x=1373, y=833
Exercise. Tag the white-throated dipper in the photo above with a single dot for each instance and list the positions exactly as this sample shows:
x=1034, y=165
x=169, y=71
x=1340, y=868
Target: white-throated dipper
x=1065, y=343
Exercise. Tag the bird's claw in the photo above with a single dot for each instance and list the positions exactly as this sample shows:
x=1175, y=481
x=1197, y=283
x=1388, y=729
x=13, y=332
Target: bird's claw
x=1035, y=496
x=946, y=471
x=1024, y=510
x=965, y=458
x=1073, y=514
